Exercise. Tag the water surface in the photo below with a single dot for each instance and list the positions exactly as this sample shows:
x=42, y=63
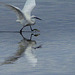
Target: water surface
x=50, y=53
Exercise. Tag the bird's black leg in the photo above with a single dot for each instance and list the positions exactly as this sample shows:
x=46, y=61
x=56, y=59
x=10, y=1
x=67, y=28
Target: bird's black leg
x=31, y=28
x=22, y=29
x=34, y=29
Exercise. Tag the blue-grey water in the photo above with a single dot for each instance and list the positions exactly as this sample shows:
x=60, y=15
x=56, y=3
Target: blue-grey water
x=50, y=53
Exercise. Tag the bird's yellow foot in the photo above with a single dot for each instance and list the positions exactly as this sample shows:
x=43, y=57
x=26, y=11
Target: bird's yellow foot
x=36, y=30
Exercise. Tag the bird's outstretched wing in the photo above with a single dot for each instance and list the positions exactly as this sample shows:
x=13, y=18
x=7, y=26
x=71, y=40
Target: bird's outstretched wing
x=28, y=7
x=15, y=9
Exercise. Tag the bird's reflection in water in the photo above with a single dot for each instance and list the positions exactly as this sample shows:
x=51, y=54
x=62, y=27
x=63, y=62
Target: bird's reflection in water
x=26, y=47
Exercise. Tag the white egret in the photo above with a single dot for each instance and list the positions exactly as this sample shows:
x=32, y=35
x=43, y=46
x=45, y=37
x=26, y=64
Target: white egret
x=24, y=16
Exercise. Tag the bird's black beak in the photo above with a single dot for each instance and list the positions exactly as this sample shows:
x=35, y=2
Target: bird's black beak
x=37, y=18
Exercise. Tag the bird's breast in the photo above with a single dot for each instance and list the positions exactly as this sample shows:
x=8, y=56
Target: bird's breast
x=31, y=22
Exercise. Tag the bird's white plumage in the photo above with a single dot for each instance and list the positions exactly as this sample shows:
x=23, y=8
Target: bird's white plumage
x=28, y=7
x=19, y=14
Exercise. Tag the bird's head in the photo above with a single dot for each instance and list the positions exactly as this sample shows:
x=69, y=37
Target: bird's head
x=35, y=17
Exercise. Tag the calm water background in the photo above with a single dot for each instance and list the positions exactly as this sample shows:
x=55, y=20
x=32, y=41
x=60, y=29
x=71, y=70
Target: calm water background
x=57, y=37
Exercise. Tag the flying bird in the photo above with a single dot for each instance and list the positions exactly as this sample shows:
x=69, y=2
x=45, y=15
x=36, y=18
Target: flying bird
x=24, y=16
